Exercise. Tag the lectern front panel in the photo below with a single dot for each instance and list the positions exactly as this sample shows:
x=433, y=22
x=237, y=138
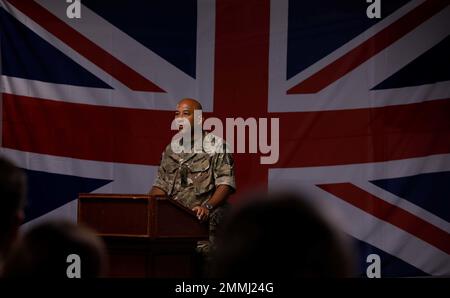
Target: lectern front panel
x=115, y=216
x=172, y=221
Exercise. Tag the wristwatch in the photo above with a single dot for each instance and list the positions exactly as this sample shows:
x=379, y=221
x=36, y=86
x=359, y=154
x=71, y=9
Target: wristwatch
x=208, y=206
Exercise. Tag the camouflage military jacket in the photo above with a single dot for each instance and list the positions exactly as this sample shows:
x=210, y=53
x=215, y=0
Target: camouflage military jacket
x=191, y=178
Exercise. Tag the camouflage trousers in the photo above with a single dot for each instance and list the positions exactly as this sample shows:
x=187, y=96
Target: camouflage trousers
x=215, y=220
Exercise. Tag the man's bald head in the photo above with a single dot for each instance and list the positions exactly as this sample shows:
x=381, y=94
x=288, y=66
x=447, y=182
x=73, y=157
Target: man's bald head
x=190, y=102
x=185, y=109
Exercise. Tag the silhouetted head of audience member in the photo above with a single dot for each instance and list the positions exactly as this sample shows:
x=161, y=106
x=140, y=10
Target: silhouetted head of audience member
x=12, y=201
x=44, y=252
x=279, y=235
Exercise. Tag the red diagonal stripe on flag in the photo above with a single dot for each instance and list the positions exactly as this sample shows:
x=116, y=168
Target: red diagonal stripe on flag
x=345, y=64
x=85, y=47
x=391, y=214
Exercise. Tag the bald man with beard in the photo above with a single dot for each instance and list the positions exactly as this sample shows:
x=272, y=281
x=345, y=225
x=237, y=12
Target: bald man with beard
x=200, y=181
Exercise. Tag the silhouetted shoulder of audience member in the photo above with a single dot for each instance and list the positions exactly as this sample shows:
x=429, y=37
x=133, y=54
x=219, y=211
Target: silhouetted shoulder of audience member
x=44, y=250
x=279, y=236
x=12, y=201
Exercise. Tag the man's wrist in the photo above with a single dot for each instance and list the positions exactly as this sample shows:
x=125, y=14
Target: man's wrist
x=208, y=206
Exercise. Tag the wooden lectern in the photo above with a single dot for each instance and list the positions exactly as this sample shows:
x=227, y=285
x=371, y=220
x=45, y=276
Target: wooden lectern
x=145, y=236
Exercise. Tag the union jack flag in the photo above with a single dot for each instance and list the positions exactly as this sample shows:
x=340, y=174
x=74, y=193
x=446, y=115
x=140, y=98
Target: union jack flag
x=363, y=105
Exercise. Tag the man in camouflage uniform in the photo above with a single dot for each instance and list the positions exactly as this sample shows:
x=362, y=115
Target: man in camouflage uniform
x=200, y=181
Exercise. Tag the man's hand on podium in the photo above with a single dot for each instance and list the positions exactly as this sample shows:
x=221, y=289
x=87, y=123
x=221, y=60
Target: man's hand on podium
x=202, y=212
